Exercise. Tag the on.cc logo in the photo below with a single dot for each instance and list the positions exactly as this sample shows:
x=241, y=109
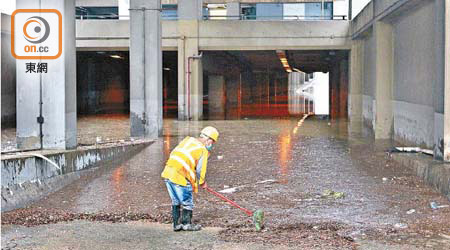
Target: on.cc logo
x=41, y=24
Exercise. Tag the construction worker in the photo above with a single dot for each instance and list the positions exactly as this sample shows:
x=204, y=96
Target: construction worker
x=184, y=172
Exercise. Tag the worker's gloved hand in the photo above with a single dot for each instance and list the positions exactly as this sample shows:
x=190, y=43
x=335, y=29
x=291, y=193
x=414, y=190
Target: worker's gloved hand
x=204, y=185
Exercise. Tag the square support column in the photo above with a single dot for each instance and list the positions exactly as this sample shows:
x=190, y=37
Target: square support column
x=446, y=143
x=383, y=80
x=190, y=71
x=145, y=69
x=343, y=88
x=216, y=97
x=355, y=86
x=51, y=94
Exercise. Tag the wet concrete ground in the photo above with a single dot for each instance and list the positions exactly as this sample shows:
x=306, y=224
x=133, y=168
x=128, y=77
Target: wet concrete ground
x=304, y=159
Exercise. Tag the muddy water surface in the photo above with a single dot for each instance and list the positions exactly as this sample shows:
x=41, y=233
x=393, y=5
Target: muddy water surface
x=304, y=159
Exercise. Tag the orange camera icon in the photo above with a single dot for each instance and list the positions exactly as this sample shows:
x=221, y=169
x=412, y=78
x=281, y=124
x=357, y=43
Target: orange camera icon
x=35, y=46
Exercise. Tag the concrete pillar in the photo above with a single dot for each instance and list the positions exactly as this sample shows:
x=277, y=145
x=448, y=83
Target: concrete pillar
x=145, y=69
x=51, y=94
x=233, y=11
x=446, y=144
x=190, y=72
x=383, y=80
x=232, y=95
x=216, y=97
x=439, y=83
x=334, y=91
x=355, y=85
x=343, y=88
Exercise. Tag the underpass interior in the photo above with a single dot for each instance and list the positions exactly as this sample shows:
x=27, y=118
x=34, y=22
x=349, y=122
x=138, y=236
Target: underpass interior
x=274, y=83
x=103, y=94
x=236, y=85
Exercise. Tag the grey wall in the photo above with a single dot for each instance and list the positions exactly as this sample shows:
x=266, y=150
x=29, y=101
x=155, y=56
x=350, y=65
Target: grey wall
x=418, y=51
x=368, y=80
x=414, y=75
x=8, y=72
x=414, y=56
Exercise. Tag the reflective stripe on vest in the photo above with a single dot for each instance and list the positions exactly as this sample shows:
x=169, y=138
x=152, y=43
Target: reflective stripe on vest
x=187, y=153
x=186, y=166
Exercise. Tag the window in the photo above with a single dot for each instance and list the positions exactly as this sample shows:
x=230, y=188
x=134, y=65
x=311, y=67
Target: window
x=169, y=12
x=97, y=12
x=248, y=11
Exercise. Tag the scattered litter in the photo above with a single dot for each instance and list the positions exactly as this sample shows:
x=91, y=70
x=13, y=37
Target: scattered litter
x=411, y=211
x=385, y=179
x=329, y=124
x=445, y=236
x=257, y=142
x=219, y=157
x=435, y=205
x=401, y=226
x=411, y=150
x=328, y=193
x=98, y=139
x=228, y=190
x=266, y=181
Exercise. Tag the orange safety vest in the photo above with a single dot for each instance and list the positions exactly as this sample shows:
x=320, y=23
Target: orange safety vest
x=187, y=162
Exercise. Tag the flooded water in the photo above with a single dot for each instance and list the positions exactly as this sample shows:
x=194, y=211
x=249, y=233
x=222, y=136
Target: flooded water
x=305, y=157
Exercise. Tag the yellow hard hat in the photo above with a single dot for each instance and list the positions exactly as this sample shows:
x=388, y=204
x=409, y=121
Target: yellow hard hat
x=211, y=132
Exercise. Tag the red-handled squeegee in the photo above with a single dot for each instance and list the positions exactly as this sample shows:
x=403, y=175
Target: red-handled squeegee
x=258, y=215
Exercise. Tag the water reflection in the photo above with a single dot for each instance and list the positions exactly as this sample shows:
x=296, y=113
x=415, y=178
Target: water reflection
x=117, y=181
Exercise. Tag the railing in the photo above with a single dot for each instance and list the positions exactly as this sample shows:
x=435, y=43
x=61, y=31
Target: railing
x=285, y=17
x=114, y=16
x=223, y=17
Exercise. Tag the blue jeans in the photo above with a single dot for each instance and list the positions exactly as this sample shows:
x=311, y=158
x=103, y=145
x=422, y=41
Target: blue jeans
x=180, y=195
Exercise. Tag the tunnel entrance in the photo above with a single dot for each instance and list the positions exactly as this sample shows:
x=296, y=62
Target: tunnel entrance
x=103, y=94
x=275, y=83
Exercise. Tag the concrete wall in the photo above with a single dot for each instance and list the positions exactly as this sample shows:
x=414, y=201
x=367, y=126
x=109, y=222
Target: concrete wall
x=223, y=35
x=414, y=75
x=8, y=74
x=418, y=82
x=26, y=178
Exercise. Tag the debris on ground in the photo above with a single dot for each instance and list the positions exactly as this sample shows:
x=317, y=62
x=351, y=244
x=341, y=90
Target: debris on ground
x=34, y=217
x=411, y=150
x=328, y=193
x=434, y=205
x=266, y=181
x=400, y=226
x=219, y=157
x=228, y=190
x=300, y=235
x=411, y=211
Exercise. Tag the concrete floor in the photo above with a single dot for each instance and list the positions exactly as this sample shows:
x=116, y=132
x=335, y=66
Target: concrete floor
x=304, y=159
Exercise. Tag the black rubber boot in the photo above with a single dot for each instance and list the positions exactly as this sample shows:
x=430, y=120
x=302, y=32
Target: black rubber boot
x=187, y=221
x=176, y=218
